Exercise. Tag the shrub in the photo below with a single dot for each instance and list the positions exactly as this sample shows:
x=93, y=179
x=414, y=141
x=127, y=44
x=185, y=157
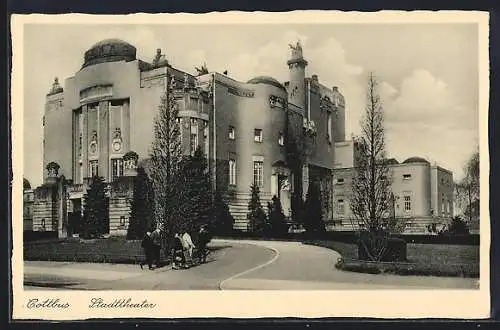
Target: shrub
x=277, y=224
x=387, y=248
x=457, y=227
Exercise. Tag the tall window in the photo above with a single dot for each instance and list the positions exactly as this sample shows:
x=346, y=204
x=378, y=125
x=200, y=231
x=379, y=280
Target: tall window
x=94, y=168
x=116, y=168
x=181, y=128
x=232, y=172
x=205, y=137
x=194, y=135
x=340, y=206
x=329, y=127
x=281, y=139
x=258, y=173
x=407, y=200
x=257, y=135
x=80, y=179
x=443, y=205
x=231, y=133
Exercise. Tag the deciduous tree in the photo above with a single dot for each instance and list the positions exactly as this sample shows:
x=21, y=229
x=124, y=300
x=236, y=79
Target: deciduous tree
x=370, y=186
x=467, y=190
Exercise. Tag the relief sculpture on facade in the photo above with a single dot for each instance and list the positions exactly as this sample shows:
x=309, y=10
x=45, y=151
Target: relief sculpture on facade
x=93, y=143
x=117, y=140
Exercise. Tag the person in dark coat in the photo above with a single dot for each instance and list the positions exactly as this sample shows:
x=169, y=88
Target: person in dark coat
x=203, y=240
x=156, y=246
x=147, y=245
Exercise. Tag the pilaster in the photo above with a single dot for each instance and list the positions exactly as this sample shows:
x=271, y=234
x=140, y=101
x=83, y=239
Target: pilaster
x=104, y=139
x=85, y=142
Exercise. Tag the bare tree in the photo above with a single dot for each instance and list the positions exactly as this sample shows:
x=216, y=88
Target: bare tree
x=467, y=190
x=371, y=181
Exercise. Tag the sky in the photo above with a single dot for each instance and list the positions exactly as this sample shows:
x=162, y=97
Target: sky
x=427, y=73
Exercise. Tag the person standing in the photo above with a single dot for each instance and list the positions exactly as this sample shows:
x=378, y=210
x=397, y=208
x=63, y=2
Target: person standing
x=189, y=246
x=178, y=253
x=156, y=246
x=203, y=239
x=147, y=245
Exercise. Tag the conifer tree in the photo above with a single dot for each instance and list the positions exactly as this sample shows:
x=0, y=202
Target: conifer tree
x=166, y=157
x=313, y=213
x=277, y=223
x=198, y=204
x=222, y=222
x=256, y=214
x=141, y=211
x=96, y=216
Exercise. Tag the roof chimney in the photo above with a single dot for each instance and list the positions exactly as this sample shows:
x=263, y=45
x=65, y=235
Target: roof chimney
x=315, y=77
x=335, y=89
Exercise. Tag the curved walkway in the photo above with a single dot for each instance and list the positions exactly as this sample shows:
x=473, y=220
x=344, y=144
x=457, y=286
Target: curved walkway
x=305, y=267
x=237, y=265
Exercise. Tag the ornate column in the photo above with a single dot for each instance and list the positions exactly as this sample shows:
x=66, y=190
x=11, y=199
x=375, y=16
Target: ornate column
x=85, y=144
x=104, y=139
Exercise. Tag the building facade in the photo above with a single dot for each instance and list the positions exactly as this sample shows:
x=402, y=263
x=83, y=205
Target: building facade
x=280, y=136
x=422, y=193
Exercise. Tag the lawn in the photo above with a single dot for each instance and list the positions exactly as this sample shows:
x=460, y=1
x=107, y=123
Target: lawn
x=423, y=259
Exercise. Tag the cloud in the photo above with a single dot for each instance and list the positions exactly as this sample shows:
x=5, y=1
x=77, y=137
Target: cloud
x=424, y=97
x=426, y=118
x=326, y=59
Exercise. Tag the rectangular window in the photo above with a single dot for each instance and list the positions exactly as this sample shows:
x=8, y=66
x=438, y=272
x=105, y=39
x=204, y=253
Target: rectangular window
x=231, y=133
x=340, y=181
x=406, y=176
x=194, y=135
x=80, y=178
x=93, y=168
x=116, y=168
x=340, y=206
x=407, y=200
x=258, y=173
x=281, y=139
x=443, y=205
x=205, y=137
x=329, y=127
x=232, y=172
x=257, y=135
x=122, y=221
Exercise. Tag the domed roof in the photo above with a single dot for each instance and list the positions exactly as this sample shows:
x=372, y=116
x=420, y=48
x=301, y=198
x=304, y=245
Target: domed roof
x=109, y=50
x=416, y=160
x=26, y=184
x=266, y=80
x=391, y=161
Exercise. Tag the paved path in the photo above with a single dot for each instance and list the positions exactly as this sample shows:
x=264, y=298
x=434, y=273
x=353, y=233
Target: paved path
x=238, y=265
x=298, y=266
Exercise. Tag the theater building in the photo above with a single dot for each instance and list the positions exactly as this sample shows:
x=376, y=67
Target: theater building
x=422, y=193
x=278, y=135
